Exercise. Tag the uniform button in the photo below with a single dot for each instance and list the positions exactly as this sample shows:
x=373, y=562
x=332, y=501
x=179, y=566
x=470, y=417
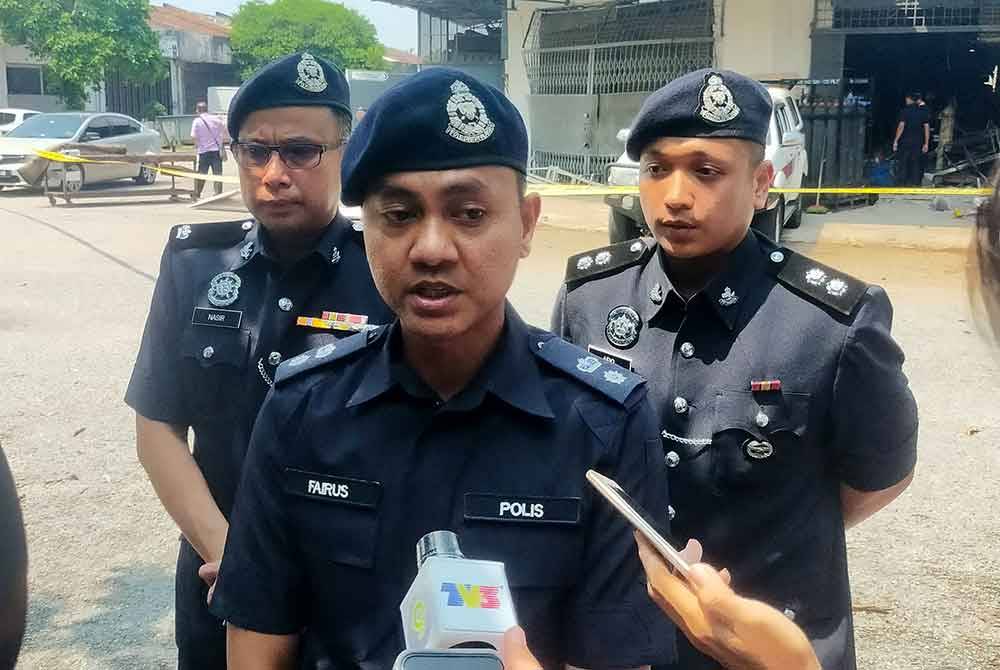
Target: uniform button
x=687, y=350
x=790, y=613
x=672, y=459
x=762, y=419
x=274, y=358
x=777, y=257
x=285, y=304
x=208, y=352
x=680, y=405
x=671, y=512
x=247, y=225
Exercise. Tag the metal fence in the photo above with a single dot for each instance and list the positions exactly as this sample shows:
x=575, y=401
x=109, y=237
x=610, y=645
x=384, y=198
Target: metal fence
x=835, y=142
x=592, y=168
x=859, y=16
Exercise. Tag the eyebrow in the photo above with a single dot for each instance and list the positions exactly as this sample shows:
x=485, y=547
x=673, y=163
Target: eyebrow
x=698, y=154
x=467, y=186
x=298, y=139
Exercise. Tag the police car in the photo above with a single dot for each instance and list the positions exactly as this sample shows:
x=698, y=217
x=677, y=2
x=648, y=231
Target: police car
x=785, y=149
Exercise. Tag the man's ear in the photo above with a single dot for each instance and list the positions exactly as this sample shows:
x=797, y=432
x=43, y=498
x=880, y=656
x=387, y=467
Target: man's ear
x=531, y=209
x=762, y=178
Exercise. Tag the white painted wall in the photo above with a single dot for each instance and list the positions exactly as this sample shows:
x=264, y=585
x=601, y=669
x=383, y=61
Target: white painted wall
x=517, y=86
x=765, y=39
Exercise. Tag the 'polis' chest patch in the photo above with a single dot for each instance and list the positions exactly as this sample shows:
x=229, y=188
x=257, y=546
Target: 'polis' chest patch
x=521, y=509
x=331, y=489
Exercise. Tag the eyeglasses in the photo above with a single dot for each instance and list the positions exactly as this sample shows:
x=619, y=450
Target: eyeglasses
x=295, y=155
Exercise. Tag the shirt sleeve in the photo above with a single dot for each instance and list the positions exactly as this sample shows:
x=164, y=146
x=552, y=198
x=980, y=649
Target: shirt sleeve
x=611, y=620
x=155, y=390
x=261, y=579
x=874, y=412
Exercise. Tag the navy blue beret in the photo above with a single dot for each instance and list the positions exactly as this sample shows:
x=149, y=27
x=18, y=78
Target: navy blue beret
x=438, y=119
x=703, y=103
x=298, y=80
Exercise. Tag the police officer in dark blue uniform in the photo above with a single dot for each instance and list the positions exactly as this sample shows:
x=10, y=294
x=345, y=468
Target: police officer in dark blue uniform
x=447, y=419
x=784, y=412
x=232, y=301
x=13, y=570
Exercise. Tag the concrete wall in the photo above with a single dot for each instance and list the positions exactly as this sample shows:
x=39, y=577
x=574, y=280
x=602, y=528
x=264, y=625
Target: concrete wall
x=10, y=55
x=765, y=39
x=516, y=85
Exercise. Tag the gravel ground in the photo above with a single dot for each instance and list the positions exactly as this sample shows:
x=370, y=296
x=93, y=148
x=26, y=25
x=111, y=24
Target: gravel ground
x=75, y=284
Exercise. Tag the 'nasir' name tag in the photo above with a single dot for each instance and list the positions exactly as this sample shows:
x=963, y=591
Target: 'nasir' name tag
x=220, y=318
x=610, y=357
x=521, y=509
x=327, y=488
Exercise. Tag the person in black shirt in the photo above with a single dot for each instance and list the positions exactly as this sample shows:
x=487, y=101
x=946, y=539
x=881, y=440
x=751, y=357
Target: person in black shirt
x=912, y=141
x=13, y=570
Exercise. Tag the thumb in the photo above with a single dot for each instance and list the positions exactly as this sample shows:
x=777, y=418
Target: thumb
x=516, y=655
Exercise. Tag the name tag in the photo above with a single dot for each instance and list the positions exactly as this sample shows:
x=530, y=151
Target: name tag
x=327, y=488
x=220, y=318
x=612, y=357
x=521, y=509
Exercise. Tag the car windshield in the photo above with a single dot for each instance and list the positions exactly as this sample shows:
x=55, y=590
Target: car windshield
x=54, y=126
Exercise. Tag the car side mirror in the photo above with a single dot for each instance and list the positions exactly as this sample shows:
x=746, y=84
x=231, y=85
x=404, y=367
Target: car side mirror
x=90, y=136
x=622, y=135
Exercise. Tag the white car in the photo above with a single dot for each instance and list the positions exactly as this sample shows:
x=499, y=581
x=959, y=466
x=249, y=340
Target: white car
x=46, y=131
x=785, y=149
x=11, y=118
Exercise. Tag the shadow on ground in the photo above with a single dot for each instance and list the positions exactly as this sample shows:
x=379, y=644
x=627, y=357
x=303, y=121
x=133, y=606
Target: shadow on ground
x=124, y=628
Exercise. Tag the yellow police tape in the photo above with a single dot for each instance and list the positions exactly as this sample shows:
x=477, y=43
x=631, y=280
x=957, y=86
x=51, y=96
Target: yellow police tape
x=554, y=190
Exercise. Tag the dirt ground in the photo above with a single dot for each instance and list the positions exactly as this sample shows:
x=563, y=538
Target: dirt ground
x=75, y=284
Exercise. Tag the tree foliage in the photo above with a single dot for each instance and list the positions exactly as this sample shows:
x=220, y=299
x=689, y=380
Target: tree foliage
x=263, y=32
x=81, y=39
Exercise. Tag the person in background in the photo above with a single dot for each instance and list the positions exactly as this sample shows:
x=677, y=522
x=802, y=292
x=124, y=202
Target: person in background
x=232, y=301
x=13, y=570
x=210, y=137
x=984, y=270
x=360, y=114
x=912, y=141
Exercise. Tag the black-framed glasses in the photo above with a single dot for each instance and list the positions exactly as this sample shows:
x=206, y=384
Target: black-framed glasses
x=295, y=155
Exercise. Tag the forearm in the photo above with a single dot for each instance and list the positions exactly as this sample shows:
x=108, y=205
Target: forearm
x=248, y=650
x=180, y=485
x=899, y=133
x=927, y=135
x=859, y=505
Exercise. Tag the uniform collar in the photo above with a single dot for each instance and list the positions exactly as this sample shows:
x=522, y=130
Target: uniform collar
x=725, y=293
x=510, y=373
x=329, y=247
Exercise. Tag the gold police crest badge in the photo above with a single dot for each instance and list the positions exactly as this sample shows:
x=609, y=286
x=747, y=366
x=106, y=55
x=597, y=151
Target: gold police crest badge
x=467, y=119
x=311, y=77
x=717, y=104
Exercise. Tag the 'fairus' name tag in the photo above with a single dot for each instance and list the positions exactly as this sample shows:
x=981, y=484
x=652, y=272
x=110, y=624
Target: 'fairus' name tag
x=220, y=318
x=341, y=490
x=521, y=509
x=611, y=357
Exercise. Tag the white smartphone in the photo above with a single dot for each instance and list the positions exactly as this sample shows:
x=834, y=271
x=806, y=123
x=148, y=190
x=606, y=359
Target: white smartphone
x=639, y=518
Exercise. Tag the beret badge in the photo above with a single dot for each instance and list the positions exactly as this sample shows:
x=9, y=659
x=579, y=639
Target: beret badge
x=311, y=76
x=467, y=119
x=717, y=104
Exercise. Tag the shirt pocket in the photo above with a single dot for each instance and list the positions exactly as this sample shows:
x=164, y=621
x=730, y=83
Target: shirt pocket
x=337, y=533
x=546, y=556
x=214, y=361
x=758, y=437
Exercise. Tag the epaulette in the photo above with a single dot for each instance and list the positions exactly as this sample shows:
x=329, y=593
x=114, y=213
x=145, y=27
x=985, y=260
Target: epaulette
x=825, y=285
x=611, y=380
x=325, y=354
x=223, y=233
x=605, y=261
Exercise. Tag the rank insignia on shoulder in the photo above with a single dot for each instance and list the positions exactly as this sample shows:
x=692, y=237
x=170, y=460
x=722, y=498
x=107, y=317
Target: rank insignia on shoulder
x=606, y=260
x=609, y=378
x=327, y=353
x=765, y=385
x=192, y=235
x=827, y=286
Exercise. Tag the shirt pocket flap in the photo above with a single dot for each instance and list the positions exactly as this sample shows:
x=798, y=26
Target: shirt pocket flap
x=215, y=346
x=761, y=414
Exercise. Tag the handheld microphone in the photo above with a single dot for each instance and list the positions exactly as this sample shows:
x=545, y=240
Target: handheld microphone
x=455, y=602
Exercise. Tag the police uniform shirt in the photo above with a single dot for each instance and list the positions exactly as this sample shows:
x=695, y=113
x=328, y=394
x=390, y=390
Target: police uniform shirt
x=354, y=458
x=222, y=318
x=774, y=384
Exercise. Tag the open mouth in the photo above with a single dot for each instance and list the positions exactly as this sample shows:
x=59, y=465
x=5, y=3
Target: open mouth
x=433, y=297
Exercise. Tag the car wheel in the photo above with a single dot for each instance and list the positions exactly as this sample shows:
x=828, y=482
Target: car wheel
x=620, y=227
x=796, y=219
x=147, y=175
x=768, y=221
x=73, y=177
